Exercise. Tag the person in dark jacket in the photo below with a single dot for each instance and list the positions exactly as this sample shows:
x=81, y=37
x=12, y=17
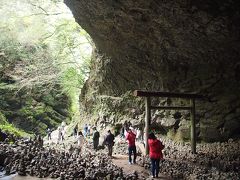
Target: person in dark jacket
x=155, y=149
x=75, y=131
x=109, y=140
x=131, y=138
x=96, y=136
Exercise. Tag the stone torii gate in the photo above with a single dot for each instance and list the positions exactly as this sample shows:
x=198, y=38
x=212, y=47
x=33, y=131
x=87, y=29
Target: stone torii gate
x=149, y=107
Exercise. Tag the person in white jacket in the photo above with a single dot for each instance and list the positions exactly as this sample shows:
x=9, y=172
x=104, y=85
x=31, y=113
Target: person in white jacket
x=80, y=140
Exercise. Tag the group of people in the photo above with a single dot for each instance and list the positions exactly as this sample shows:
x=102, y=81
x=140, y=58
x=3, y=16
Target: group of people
x=61, y=132
x=129, y=133
x=155, y=150
x=108, y=139
x=80, y=136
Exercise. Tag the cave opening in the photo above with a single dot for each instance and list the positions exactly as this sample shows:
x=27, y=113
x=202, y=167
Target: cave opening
x=167, y=46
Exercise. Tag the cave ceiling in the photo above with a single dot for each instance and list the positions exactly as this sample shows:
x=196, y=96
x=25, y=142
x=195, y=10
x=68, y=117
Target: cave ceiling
x=157, y=29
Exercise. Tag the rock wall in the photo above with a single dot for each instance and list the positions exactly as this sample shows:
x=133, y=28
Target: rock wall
x=176, y=46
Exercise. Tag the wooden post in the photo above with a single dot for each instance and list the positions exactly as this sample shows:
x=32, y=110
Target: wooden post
x=193, y=127
x=147, y=122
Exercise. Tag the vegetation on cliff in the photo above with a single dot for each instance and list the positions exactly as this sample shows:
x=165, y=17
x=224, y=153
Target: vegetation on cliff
x=44, y=59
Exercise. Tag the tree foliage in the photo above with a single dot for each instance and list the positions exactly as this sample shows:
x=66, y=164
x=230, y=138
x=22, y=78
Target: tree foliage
x=42, y=50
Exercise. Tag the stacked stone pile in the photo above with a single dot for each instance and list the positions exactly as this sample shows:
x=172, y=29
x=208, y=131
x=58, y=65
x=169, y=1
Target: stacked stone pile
x=120, y=146
x=28, y=159
x=213, y=161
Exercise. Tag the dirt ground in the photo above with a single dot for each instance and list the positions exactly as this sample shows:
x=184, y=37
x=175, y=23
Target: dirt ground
x=122, y=161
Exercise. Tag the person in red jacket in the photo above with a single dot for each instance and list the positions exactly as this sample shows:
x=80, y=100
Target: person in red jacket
x=155, y=149
x=131, y=138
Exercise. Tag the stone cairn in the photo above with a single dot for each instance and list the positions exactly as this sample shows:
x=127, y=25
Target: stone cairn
x=27, y=158
x=218, y=161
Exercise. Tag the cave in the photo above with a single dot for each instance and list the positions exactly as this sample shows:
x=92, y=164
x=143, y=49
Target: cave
x=173, y=46
x=157, y=79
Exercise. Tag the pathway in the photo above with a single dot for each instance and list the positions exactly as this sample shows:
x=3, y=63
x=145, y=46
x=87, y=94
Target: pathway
x=122, y=161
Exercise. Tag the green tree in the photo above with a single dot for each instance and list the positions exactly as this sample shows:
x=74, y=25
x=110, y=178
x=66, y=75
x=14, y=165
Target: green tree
x=43, y=53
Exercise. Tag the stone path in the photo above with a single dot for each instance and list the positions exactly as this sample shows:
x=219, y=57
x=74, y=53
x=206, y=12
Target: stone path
x=122, y=161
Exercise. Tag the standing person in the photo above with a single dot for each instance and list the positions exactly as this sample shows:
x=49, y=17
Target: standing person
x=80, y=140
x=49, y=133
x=131, y=138
x=59, y=134
x=39, y=141
x=75, y=129
x=109, y=140
x=155, y=148
x=88, y=130
x=62, y=128
x=96, y=136
x=85, y=130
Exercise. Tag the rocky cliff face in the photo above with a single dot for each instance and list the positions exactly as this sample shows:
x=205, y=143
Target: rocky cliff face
x=176, y=46
x=36, y=111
